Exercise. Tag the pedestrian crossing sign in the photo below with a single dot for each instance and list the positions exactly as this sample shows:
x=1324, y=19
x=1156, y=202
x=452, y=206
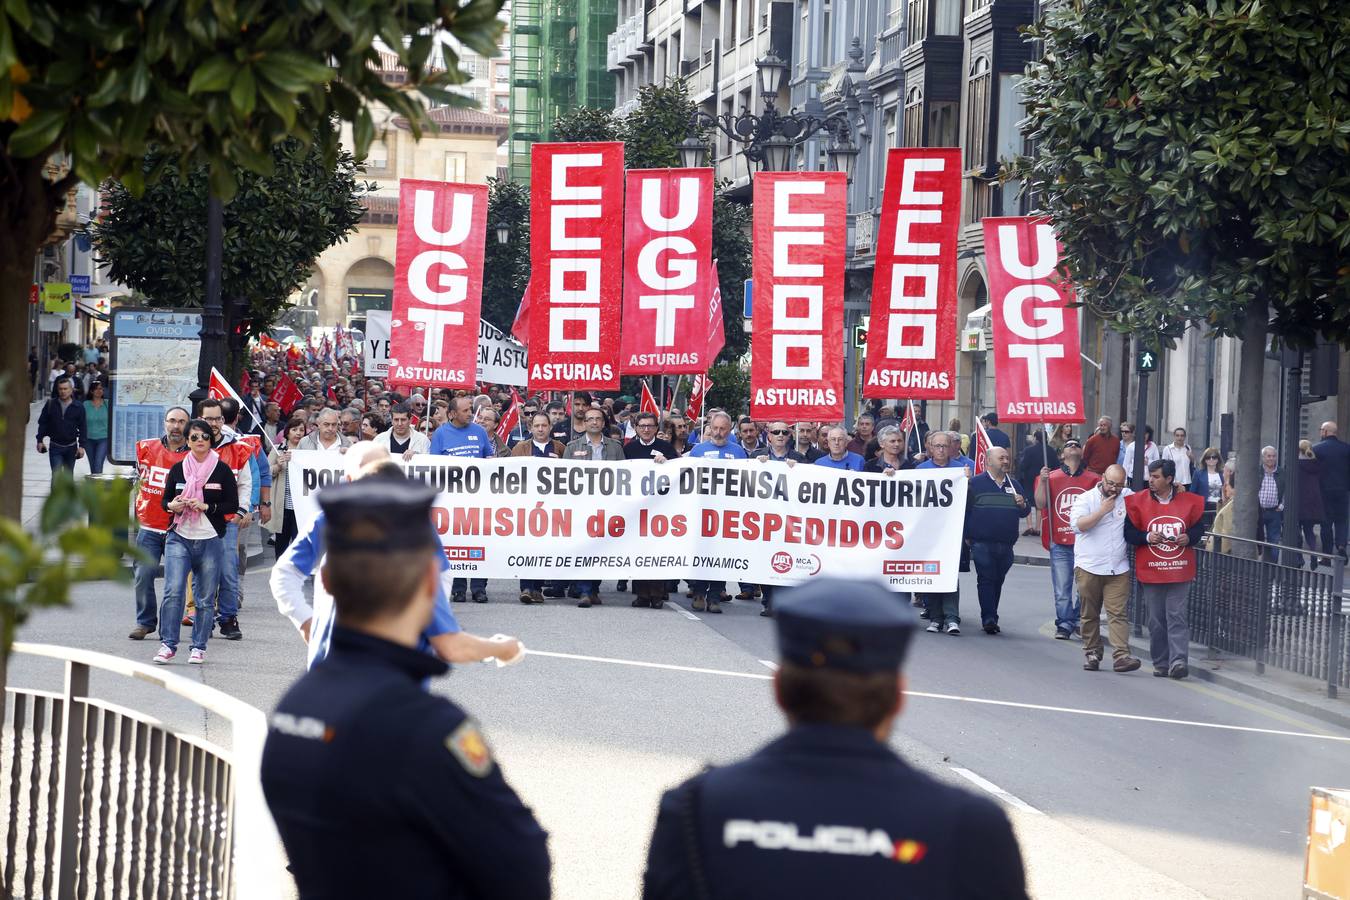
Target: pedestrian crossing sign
x=1146, y=361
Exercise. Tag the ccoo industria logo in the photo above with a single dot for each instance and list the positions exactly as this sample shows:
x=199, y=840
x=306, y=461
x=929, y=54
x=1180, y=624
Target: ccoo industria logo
x=911, y=567
x=471, y=554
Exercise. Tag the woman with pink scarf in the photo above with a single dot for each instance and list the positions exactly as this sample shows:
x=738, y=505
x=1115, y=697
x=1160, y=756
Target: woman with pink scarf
x=200, y=492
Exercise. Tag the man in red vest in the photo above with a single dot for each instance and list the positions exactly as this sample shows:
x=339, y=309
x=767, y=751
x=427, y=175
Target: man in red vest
x=1056, y=492
x=1164, y=524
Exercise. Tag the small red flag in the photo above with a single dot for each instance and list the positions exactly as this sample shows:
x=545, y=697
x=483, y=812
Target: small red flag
x=510, y=419
x=702, y=384
x=982, y=445
x=649, y=402
x=286, y=395
x=717, y=336
x=520, y=328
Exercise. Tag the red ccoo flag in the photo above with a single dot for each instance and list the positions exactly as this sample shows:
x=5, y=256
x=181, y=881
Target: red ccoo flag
x=520, y=328
x=982, y=445
x=286, y=395
x=649, y=402
x=510, y=420
x=694, y=409
x=717, y=335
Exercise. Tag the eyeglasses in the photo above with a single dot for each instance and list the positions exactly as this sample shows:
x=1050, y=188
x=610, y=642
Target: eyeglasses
x=1215, y=458
x=1127, y=431
x=214, y=418
x=199, y=437
x=1113, y=484
x=779, y=431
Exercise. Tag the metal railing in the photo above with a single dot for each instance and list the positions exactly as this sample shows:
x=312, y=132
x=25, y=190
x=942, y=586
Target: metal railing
x=1277, y=614
x=101, y=800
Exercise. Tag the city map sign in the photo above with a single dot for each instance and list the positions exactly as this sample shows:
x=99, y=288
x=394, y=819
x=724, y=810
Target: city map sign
x=154, y=366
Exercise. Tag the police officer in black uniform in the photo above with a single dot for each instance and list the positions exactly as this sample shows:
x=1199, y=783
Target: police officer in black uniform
x=378, y=788
x=828, y=809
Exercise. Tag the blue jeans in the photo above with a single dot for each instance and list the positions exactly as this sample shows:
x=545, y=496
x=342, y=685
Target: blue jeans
x=147, y=606
x=992, y=561
x=1272, y=526
x=1336, y=504
x=203, y=558
x=1062, y=583
x=96, y=451
x=474, y=584
x=227, y=600
x=586, y=588
x=63, y=457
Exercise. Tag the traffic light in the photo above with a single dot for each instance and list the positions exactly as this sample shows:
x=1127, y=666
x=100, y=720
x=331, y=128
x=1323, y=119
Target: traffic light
x=238, y=321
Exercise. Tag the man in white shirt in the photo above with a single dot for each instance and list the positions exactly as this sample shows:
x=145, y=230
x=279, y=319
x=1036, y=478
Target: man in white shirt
x=400, y=438
x=1102, y=569
x=1179, y=452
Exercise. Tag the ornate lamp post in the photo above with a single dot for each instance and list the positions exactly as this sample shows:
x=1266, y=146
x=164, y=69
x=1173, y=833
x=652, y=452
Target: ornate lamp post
x=770, y=139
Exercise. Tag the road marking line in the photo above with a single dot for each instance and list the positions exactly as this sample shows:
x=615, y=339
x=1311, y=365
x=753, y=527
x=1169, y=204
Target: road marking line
x=769, y=664
x=651, y=665
x=997, y=791
x=684, y=612
x=953, y=697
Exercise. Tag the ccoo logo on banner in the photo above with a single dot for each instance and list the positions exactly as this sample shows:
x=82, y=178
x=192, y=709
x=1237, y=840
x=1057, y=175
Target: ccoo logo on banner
x=576, y=265
x=438, y=283
x=797, y=349
x=1040, y=373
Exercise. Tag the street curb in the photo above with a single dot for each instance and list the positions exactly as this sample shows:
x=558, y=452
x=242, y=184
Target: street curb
x=1042, y=561
x=1241, y=686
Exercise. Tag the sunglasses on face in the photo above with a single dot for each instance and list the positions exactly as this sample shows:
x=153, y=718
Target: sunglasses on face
x=779, y=431
x=1126, y=431
x=198, y=437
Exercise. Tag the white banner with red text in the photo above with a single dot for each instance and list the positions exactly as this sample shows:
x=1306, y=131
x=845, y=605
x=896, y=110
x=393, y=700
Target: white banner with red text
x=710, y=519
x=667, y=271
x=438, y=283
x=911, y=340
x=576, y=265
x=797, y=348
x=1036, y=355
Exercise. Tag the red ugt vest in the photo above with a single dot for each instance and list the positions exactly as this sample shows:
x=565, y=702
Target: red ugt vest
x=1064, y=490
x=1165, y=563
x=154, y=459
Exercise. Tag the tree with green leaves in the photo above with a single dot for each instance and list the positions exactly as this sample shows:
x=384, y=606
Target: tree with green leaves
x=1192, y=157
x=651, y=135
x=506, y=267
x=275, y=228
x=219, y=83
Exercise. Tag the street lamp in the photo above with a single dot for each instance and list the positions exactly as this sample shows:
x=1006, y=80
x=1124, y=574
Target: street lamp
x=770, y=139
x=503, y=233
x=691, y=151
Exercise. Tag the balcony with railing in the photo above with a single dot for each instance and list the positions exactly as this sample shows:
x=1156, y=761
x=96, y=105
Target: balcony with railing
x=890, y=45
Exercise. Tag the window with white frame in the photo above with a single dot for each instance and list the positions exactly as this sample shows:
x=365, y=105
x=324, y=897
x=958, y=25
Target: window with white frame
x=456, y=163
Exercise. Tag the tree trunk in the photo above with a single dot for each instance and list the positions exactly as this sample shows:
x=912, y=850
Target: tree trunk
x=1251, y=384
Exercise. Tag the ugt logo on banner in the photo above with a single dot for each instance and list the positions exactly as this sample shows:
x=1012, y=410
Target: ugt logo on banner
x=797, y=362
x=576, y=253
x=438, y=283
x=667, y=271
x=911, y=345
x=1040, y=373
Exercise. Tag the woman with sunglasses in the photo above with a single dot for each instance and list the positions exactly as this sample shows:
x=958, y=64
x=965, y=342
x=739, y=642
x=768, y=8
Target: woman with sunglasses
x=199, y=492
x=1208, y=482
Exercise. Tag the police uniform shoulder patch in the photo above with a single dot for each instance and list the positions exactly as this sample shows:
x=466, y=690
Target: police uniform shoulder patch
x=467, y=745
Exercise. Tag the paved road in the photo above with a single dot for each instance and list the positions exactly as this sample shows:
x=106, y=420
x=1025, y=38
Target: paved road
x=1119, y=786
x=1116, y=805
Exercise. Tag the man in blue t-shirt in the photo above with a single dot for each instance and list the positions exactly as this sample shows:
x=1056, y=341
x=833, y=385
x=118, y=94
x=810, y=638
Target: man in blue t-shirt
x=943, y=611
x=840, y=457
x=715, y=445
x=461, y=436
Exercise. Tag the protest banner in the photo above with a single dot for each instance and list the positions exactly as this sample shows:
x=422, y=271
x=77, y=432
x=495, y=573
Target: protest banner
x=691, y=518
x=911, y=341
x=438, y=283
x=797, y=348
x=375, y=347
x=501, y=359
x=667, y=265
x=1036, y=355
x=576, y=258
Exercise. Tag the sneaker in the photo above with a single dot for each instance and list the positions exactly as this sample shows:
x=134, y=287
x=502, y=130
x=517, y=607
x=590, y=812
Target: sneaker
x=991, y=628
x=165, y=654
x=621, y=586
x=714, y=606
x=933, y=628
x=457, y=597
x=1061, y=635
x=187, y=620
x=585, y=602
x=526, y=597
x=1126, y=664
x=766, y=612
x=536, y=597
x=748, y=595
x=953, y=628
x=1178, y=671
x=480, y=597
x=699, y=603
x=1092, y=664
x=196, y=656
x=555, y=593
x=229, y=629
x=924, y=615
x=1159, y=673
x=139, y=632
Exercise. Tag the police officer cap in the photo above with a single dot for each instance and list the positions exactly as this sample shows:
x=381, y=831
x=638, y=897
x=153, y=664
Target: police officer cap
x=840, y=623
x=379, y=512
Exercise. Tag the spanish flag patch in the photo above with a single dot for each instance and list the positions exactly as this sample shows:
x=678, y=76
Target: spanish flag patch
x=467, y=744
